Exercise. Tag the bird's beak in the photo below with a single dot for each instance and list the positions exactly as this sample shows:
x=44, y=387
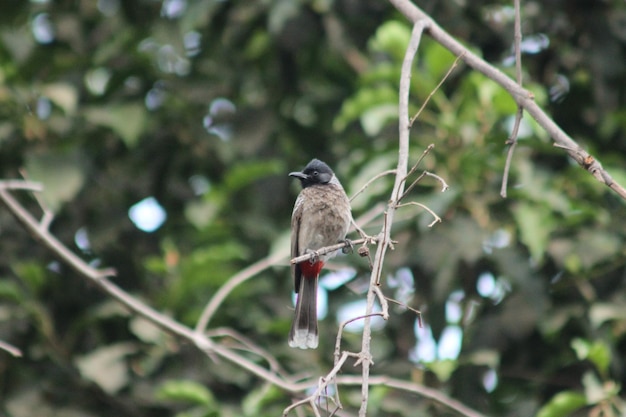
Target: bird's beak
x=300, y=175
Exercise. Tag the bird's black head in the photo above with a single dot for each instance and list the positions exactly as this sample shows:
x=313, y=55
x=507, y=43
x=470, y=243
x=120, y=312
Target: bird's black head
x=316, y=172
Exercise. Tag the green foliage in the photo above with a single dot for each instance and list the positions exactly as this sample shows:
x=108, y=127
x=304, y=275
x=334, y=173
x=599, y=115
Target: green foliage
x=208, y=108
x=562, y=404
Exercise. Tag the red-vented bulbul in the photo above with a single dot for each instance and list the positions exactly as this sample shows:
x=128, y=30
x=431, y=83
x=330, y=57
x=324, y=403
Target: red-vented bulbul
x=321, y=217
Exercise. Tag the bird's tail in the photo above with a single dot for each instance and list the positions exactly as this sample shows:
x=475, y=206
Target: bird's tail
x=303, y=333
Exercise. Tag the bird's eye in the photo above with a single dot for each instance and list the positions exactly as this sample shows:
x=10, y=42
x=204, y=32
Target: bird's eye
x=315, y=173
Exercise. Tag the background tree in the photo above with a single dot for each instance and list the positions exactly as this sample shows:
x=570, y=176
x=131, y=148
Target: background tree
x=194, y=112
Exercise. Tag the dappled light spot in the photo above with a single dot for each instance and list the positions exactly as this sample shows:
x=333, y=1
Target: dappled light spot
x=171, y=62
x=559, y=88
x=44, y=108
x=148, y=215
x=404, y=285
x=454, y=312
x=155, y=97
x=450, y=342
x=356, y=309
x=173, y=9
x=490, y=287
x=336, y=279
x=218, y=119
x=199, y=184
x=81, y=239
x=490, y=380
x=108, y=7
x=42, y=28
x=192, y=41
x=499, y=239
x=425, y=349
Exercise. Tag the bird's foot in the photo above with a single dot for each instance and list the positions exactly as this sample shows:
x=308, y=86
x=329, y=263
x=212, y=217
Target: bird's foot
x=349, y=248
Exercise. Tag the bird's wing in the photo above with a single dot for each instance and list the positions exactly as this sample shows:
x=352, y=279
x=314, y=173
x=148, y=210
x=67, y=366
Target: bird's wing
x=296, y=218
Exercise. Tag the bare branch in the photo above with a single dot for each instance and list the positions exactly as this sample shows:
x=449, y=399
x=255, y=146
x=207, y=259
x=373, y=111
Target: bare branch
x=22, y=185
x=11, y=349
x=368, y=183
x=230, y=285
x=385, y=237
x=329, y=249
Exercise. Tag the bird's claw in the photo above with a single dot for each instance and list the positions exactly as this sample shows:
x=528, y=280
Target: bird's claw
x=349, y=248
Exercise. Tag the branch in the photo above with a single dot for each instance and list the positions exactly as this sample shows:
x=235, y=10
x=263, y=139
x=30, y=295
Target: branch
x=330, y=249
x=414, y=388
x=11, y=349
x=385, y=235
x=276, y=376
x=512, y=140
x=98, y=277
x=521, y=96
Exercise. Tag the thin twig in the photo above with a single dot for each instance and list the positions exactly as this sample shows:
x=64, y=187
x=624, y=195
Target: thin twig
x=229, y=286
x=405, y=305
x=430, y=95
x=512, y=140
x=418, y=162
x=48, y=215
x=342, y=326
x=413, y=203
x=321, y=386
x=384, y=306
x=369, y=182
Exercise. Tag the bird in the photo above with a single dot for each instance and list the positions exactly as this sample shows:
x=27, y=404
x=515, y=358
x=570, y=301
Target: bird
x=321, y=217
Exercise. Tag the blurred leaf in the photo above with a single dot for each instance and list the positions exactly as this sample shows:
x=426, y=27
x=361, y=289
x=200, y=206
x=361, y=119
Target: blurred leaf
x=106, y=366
x=201, y=213
x=63, y=95
x=535, y=223
x=595, y=390
x=562, y=404
x=392, y=37
x=365, y=99
x=585, y=250
x=10, y=291
x=375, y=118
x=443, y=368
x=596, y=352
x=146, y=330
x=600, y=313
x=127, y=120
x=254, y=403
x=241, y=175
x=437, y=59
x=32, y=274
x=61, y=173
x=186, y=391
x=489, y=358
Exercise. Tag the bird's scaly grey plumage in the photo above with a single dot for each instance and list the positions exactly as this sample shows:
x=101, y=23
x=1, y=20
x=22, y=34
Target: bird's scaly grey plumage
x=321, y=217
